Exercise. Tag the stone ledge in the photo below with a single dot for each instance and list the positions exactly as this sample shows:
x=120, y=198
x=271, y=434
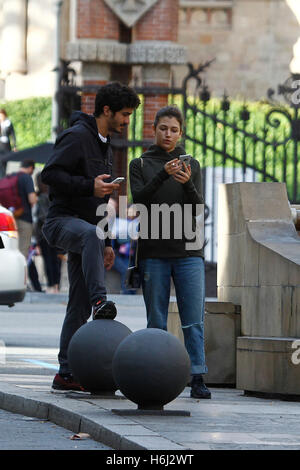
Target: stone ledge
x=222, y=307
x=152, y=52
x=264, y=365
x=90, y=50
x=140, y=52
x=212, y=307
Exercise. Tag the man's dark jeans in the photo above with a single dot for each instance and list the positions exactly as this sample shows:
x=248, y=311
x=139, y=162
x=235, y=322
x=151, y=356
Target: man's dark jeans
x=85, y=271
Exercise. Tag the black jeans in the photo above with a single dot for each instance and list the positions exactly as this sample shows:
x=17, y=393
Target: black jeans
x=85, y=272
x=52, y=263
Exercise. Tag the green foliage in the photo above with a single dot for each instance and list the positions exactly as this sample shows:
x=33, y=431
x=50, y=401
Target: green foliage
x=223, y=138
x=207, y=135
x=31, y=119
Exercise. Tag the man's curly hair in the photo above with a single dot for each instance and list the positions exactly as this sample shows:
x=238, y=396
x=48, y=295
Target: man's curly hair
x=116, y=96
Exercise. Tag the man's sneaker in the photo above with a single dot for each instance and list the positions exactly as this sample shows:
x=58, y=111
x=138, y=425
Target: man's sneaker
x=65, y=383
x=199, y=389
x=105, y=310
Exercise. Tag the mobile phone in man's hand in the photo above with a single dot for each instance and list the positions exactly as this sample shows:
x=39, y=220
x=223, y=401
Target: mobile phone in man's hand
x=118, y=180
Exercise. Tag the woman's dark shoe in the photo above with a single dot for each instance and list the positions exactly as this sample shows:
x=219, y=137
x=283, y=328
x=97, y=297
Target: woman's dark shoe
x=199, y=389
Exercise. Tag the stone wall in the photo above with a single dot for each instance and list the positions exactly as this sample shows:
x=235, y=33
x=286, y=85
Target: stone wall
x=259, y=269
x=252, y=42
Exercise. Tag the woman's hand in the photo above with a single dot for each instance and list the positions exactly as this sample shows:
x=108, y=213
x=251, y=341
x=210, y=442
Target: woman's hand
x=173, y=166
x=183, y=175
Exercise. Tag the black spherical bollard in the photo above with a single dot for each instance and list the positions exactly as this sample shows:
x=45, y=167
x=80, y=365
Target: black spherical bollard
x=151, y=368
x=91, y=352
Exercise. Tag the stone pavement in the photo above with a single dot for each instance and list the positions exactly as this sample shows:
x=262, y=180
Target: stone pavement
x=229, y=421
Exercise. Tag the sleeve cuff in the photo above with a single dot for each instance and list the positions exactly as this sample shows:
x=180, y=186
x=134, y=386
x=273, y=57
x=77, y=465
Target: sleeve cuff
x=107, y=241
x=189, y=185
x=163, y=175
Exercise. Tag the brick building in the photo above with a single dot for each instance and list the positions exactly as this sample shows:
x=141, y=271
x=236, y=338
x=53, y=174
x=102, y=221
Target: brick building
x=252, y=41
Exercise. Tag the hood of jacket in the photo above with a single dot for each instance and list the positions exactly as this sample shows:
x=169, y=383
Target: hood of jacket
x=156, y=152
x=86, y=120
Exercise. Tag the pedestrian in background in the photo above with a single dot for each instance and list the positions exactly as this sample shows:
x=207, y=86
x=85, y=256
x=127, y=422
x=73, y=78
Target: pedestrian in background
x=7, y=134
x=29, y=198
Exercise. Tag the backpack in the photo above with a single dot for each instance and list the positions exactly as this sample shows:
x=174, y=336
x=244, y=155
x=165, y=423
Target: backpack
x=9, y=194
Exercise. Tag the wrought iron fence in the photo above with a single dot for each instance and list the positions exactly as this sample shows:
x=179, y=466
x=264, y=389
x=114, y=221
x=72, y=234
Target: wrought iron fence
x=258, y=144
x=241, y=142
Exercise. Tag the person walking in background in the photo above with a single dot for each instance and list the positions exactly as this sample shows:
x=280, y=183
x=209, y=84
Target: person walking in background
x=7, y=134
x=124, y=247
x=79, y=178
x=7, y=139
x=157, y=178
x=32, y=270
x=50, y=254
x=29, y=198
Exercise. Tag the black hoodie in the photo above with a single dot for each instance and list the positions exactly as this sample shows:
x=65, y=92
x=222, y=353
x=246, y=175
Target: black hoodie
x=151, y=184
x=78, y=157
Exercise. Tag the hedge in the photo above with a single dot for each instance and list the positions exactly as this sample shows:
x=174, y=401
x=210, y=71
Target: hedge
x=31, y=119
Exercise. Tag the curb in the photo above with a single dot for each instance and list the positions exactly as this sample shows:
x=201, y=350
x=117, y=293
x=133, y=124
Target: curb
x=87, y=419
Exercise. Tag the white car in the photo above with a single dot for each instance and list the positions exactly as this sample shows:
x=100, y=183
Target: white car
x=13, y=269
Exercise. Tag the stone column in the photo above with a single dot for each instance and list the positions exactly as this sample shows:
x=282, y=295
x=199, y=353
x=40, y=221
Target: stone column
x=155, y=45
x=13, y=40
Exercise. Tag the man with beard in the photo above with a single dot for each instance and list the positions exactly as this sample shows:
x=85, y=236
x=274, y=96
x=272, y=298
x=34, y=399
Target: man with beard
x=79, y=178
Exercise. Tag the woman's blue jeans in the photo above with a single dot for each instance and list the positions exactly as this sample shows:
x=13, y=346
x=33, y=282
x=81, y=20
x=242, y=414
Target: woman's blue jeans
x=189, y=280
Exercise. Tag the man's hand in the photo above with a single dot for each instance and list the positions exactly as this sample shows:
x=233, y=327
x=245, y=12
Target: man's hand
x=109, y=257
x=101, y=188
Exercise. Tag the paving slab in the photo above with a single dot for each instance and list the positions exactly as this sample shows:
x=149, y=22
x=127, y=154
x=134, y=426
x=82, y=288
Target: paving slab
x=230, y=420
